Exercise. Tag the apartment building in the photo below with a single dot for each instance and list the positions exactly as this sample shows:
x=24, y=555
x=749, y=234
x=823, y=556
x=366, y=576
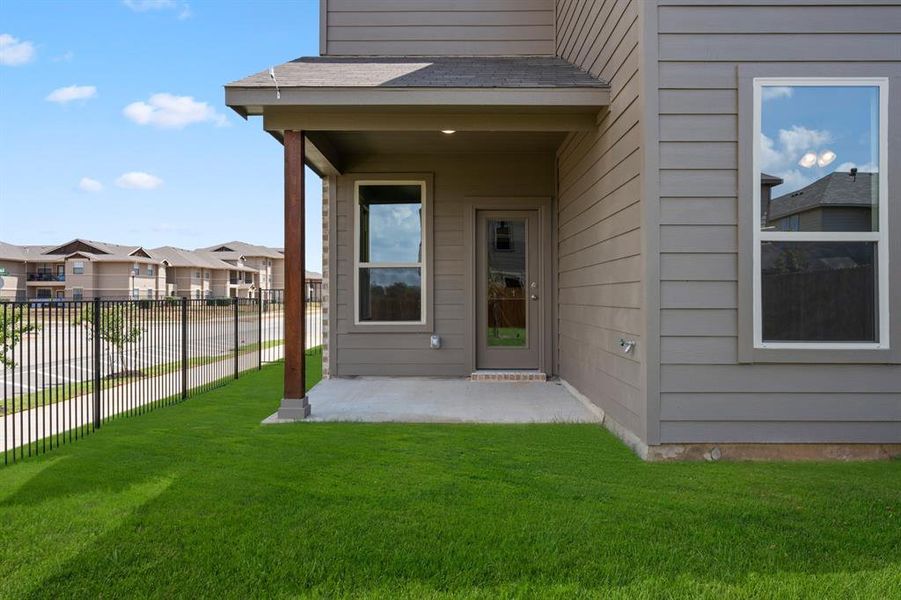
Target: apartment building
x=81, y=269
x=683, y=209
x=269, y=263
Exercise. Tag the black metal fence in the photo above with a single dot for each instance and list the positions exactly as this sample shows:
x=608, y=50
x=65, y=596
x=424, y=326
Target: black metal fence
x=70, y=366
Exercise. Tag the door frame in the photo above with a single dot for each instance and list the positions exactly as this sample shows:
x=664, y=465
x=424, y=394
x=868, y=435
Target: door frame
x=546, y=259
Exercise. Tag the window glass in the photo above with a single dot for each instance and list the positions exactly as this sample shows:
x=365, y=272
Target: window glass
x=390, y=224
x=390, y=260
x=390, y=294
x=819, y=240
x=819, y=291
x=819, y=158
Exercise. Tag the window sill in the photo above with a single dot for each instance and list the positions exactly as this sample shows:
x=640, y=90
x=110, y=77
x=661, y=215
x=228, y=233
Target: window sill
x=873, y=354
x=386, y=327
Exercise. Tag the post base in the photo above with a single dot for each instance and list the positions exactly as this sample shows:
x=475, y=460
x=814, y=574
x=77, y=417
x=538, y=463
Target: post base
x=294, y=409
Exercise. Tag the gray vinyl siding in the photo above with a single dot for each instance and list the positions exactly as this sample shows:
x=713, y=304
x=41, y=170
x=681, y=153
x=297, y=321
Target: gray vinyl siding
x=707, y=395
x=455, y=179
x=599, y=239
x=438, y=27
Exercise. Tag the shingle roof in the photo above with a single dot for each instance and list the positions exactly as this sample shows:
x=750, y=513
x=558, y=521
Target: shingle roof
x=12, y=252
x=179, y=257
x=425, y=72
x=836, y=189
x=238, y=249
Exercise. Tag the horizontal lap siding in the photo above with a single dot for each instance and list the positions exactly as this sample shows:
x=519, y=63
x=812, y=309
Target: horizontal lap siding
x=439, y=27
x=455, y=178
x=706, y=395
x=599, y=216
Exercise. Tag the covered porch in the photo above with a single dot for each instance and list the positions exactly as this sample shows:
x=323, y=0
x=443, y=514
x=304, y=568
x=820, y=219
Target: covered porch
x=445, y=400
x=439, y=210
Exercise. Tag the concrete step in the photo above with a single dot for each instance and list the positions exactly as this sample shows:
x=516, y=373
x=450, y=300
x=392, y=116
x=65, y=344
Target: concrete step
x=508, y=376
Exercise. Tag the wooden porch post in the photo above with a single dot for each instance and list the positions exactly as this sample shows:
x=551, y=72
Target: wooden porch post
x=294, y=403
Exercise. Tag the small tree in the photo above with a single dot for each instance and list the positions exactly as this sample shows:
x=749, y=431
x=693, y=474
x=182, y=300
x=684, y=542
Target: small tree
x=12, y=328
x=115, y=330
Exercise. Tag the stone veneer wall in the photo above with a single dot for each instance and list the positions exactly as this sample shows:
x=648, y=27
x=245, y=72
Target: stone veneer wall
x=323, y=305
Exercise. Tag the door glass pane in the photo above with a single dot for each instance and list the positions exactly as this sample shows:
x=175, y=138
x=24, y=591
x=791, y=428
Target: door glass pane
x=391, y=294
x=507, y=287
x=819, y=158
x=819, y=291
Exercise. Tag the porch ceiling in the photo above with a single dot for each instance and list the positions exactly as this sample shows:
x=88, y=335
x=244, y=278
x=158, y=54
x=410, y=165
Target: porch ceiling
x=356, y=143
x=335, y=101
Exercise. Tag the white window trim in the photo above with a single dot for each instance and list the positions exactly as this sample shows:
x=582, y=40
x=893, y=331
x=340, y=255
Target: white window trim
x=423, y=259
x=881, y=237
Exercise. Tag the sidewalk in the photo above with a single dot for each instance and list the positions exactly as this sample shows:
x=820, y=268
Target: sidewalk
x=53, y=420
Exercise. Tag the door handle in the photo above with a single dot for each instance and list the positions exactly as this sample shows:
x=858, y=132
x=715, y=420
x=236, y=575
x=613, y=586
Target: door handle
x=534, y=296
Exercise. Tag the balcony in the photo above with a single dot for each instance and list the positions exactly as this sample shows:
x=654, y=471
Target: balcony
x=45, y=277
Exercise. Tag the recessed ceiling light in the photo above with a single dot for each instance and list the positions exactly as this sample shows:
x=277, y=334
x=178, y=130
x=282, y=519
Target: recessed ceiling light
x=826, y=157
x=808, y=160
x=448, y=131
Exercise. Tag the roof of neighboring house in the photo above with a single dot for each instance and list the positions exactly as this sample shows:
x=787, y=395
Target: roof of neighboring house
x=425, y=72
x=836, y=189
x=235, y=249
x=313, y=275
x=180, y=257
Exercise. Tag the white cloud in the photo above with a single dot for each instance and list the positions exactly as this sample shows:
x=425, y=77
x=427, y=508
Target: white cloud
x=773, y=92
x=145, y=5
x=15, y=52
x=184, y=11
x=90, y=185
x=72, y=92
x=780, y=157
x=138, y=180
x=66, y=56
x=172, y=112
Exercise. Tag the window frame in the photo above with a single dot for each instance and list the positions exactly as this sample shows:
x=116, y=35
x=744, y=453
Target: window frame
x=425, y=324
x=881, y=238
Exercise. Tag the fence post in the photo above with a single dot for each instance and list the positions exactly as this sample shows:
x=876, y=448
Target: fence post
x=260, y=330
x=236, y=336
x=98, y=418
x=184, y=347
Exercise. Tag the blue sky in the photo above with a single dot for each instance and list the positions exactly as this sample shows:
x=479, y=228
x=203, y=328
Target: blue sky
x=810, y=119
x=150, y=155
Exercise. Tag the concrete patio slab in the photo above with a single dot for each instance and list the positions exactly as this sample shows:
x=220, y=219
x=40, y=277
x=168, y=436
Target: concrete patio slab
x=433, y=400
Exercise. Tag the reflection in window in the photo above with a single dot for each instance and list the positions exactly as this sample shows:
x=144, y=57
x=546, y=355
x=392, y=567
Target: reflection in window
x=819, y=291
x=390, y=252
x=390, y=294
x=507, y=304
x=817, y=158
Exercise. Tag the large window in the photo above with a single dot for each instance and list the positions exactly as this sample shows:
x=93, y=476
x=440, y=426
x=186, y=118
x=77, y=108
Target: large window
x=390, y=265
x=821, y=213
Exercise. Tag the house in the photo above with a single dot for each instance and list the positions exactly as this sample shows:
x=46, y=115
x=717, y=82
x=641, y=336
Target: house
x=838, y=201
x=578, y=189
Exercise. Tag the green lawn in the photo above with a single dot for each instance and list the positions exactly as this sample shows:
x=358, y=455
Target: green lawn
x=200, y=500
